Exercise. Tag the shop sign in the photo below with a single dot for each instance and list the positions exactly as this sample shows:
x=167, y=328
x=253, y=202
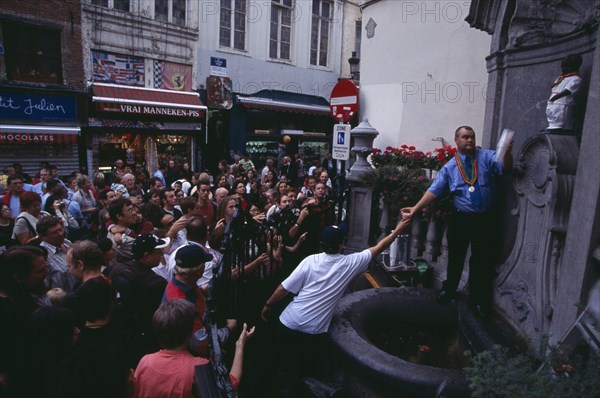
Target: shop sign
x=153, y=110
x=21, y=138
x=22, y=106
x=314, y=134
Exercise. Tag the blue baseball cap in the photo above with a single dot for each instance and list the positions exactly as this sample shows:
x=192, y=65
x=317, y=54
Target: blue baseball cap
x=334, y=235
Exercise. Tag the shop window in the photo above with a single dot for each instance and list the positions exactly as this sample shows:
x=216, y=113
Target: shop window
x=232, y=29
x=147, y=150
x=322, y=18
x=121, y=5
x=312, y=151
x=32, y=53
x=170, y=11
x=260, y=151
x=281, y=29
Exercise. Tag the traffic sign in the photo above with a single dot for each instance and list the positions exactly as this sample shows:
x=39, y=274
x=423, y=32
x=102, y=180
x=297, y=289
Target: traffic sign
x=344, y=100
x=341, y=142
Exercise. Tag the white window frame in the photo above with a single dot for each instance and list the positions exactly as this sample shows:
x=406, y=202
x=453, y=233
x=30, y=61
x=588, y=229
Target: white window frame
x=232, y=28
x=321, y=21
x=170, y=12
x=111, y=5
x=279, y=7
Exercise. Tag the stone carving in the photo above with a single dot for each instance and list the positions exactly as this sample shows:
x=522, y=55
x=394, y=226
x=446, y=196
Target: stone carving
x=543, y=181
x=521, y=308
x=535, y=21
x=543, y=21
x=370, y=28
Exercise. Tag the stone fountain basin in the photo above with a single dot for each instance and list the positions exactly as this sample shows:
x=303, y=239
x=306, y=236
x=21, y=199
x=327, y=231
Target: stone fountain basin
x=383, y=374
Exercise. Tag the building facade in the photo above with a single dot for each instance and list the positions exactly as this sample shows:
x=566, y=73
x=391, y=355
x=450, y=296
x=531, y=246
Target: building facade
x=42, y=84
x=268, y=69
x=139, y=66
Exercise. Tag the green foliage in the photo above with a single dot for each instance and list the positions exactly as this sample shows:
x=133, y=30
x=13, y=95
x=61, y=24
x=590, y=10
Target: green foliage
x=402, y=187
x=499, y=374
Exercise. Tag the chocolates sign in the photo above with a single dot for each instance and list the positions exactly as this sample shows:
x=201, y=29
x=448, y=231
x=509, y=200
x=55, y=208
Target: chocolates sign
x=37, y=138
x=19, y=138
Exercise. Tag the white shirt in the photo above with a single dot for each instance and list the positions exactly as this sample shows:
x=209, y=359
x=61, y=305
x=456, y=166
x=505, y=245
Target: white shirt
x=167, y=271
x=560, y=112
x=320, y=281
x=263, y=174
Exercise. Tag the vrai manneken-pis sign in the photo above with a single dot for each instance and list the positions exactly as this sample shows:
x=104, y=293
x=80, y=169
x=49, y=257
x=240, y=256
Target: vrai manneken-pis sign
x=153, y=110
x=341, y=142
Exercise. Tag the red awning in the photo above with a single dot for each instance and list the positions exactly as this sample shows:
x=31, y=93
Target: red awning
x=22, y=134
x=147, y=101
x=283, y=106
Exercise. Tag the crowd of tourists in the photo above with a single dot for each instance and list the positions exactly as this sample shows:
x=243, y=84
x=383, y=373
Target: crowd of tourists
x=119, y=284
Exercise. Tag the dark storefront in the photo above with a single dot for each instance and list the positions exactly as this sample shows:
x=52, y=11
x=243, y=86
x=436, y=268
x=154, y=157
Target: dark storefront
x=278, y=123
x=144, y=126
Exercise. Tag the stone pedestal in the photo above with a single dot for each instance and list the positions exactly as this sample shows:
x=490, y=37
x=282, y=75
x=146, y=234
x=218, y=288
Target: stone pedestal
x=361, y=196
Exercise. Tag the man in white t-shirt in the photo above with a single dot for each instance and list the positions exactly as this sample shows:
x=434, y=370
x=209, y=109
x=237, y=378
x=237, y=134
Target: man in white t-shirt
x=319, y=282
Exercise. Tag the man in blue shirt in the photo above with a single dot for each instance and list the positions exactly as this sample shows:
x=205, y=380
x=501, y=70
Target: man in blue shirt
x=469, y=178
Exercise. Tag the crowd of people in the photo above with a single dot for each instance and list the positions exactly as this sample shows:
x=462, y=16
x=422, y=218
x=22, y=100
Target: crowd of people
x=126, y=284
x=120, y=284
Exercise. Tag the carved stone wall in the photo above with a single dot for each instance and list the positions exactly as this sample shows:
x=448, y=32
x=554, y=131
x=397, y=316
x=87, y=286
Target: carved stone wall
x=552, y=216
x=528, y=280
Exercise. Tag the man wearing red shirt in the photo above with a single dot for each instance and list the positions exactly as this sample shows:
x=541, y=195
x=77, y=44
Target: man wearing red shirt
x=189, y=267
x=205, y=208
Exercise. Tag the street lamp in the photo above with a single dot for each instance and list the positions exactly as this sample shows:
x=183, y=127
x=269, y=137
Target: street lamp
x=354, y=62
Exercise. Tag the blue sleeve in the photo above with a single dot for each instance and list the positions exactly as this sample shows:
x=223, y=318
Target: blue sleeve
x=441, y=182
x=489, y=158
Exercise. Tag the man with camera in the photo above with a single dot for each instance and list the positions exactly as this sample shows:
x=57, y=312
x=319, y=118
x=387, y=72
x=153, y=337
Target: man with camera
x=317, y=213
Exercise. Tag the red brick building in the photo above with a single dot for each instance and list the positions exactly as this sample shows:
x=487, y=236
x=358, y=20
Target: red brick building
x=42, y=84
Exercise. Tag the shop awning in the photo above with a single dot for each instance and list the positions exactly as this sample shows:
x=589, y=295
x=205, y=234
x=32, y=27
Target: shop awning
x=23, y=134
x=283, y=106
x=147, y=101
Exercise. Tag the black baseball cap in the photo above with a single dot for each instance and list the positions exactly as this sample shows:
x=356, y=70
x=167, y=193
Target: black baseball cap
x=191, y=256
x=147, y=243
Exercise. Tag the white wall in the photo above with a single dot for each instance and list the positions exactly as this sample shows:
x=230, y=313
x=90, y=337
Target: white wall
x=352, y=13
x=252, y=70
x=423, y=73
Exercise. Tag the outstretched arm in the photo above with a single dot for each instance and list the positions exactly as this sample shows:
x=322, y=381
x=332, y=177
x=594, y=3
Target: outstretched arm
x=425, y=201
x=238, y=357
x=402, y=226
